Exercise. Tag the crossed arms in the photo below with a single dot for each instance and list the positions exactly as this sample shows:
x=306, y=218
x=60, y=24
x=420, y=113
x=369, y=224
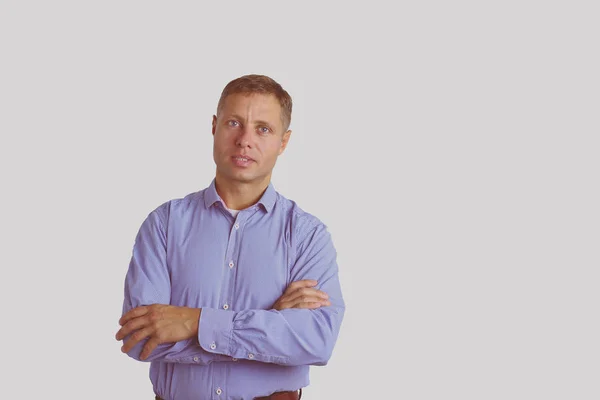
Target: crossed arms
x=300, y=328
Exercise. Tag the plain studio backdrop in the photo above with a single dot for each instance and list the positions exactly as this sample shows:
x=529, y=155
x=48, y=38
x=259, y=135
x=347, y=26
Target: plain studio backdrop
x=450, y=147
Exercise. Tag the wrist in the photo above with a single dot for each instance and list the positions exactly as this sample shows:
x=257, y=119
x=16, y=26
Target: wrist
x=197, y=312
x=194, y=321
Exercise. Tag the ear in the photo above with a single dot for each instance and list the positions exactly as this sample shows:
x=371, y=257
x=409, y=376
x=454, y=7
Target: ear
x=214, y=124
x=284, y=141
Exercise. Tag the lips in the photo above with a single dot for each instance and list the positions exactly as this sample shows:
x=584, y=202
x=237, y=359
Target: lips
x=242, y=161
x=242, y=158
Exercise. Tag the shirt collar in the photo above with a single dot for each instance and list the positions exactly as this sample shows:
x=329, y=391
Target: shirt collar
x=267, y=199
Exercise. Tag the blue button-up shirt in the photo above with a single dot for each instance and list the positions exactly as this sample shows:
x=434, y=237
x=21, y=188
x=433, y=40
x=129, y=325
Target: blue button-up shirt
x=192, y=252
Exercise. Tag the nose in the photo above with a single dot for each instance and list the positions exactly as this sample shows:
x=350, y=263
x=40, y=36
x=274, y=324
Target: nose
x=244, y=138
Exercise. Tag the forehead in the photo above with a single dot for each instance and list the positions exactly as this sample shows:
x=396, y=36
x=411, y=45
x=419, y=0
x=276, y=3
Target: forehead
x=254, y=105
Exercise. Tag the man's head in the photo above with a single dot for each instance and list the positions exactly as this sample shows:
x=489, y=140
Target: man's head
x=260, y=84
x=251, y=128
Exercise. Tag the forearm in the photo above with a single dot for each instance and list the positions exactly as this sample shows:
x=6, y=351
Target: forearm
x=290, y=336
x=148, y=282
x=186, y=352
x=287, y=337
x=177, y=327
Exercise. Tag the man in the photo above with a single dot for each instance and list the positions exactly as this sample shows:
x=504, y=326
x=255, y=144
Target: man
x=232, y=292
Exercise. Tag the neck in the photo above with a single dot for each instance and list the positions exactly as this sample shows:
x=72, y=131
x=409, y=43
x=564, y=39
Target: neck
x=240, y=195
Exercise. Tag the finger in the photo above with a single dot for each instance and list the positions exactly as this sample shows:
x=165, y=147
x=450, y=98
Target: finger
x=302, y=302
x=308, y=304
x=135, y=338
x=132, y=325
x=300, y=284
x=133, y=313
x=306, y=292
x=303, y=295
x=149, y=348
x=287, y=306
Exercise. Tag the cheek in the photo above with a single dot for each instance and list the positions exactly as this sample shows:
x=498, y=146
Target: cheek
x=272, y=152
x=221, y=144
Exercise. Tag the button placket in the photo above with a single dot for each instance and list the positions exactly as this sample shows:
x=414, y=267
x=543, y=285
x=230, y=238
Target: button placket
x=229, y=269
x=231, y=259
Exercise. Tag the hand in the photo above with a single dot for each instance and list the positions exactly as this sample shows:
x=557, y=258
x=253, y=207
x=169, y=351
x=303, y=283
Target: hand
x=159, y=323
x=302, y=294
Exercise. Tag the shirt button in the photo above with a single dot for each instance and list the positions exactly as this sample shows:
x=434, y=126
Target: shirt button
x=225, y=306
x=251, y=356
x=219, y=391
x=213, y=346
x=237, y=226
x=231, y=264
x=196, y=359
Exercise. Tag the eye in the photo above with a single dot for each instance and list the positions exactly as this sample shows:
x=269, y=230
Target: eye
x=233, y=123
x=264, y=129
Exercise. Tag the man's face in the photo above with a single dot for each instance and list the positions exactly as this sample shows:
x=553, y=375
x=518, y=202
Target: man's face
x=248, y=137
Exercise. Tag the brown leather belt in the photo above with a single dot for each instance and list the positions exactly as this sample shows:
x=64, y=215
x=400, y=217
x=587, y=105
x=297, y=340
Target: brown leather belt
x=292, y=395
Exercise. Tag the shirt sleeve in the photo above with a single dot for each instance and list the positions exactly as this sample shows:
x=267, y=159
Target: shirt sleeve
x=147, y=282
x=291, y=336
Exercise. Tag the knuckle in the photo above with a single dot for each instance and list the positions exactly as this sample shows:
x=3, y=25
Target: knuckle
x=154, y=316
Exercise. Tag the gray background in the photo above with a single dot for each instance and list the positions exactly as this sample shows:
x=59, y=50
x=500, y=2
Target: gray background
x=451, y=147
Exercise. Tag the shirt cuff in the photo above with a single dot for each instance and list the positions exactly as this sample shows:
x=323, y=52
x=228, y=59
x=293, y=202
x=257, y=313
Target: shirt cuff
x=215, y=330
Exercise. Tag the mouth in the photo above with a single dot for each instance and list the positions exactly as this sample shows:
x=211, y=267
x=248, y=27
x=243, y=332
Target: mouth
x=242, y=161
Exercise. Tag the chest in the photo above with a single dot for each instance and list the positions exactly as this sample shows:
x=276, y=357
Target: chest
x=234, y=264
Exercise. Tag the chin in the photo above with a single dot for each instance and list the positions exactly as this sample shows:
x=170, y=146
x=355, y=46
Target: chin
x=241, y=176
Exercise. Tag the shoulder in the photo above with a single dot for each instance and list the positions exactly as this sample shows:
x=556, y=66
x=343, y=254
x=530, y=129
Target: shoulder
x=178, y=206
x=302, y=222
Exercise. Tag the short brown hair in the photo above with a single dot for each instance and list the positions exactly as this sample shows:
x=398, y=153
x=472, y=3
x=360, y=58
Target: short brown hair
x=249, y=84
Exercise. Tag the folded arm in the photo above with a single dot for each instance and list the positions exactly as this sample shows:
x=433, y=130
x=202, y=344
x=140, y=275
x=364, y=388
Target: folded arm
x=300, y=329
x=147, y=286
x=293, y=336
